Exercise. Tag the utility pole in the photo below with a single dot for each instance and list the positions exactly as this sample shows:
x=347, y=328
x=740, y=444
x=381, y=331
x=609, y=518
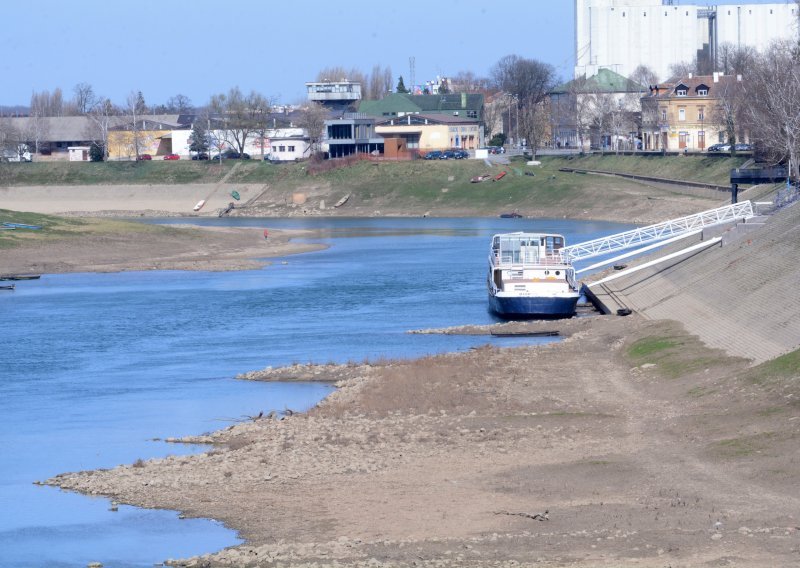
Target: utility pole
x=412, y=67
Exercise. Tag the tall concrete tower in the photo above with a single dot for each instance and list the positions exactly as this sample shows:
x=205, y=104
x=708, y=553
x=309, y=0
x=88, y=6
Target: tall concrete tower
x=623, y=34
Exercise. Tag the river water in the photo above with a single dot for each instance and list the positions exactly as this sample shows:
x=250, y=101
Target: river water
x=95, y=367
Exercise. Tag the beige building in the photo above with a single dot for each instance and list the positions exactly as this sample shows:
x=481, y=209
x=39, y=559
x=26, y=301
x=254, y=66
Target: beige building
x=423, y=132
x=687, y=114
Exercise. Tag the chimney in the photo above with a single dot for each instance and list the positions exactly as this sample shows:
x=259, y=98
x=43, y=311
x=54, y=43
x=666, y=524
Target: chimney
x=691, y=75
x=463, y=100
x=739, y=78
x=716, y=76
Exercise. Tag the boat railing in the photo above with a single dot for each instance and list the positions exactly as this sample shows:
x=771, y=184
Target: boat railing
x=514, y=258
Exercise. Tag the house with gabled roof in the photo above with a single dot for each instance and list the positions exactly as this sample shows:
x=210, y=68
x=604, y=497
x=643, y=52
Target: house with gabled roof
x=684, y=114
x=576, y=107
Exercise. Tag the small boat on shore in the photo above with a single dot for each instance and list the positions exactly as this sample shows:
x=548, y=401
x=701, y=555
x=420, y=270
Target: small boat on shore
x=530, y=278
x=499, y=176
x=20, y=276
x=480, y=178
x=512, y=215
x=7, y=287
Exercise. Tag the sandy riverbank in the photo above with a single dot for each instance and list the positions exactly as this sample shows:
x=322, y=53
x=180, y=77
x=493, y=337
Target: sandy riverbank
x=447, y=460
x=153, y=248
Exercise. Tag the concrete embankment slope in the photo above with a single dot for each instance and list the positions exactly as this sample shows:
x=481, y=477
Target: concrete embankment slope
x=741, y=296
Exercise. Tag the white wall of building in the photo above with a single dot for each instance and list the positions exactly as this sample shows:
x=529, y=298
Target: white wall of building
x=286, y=137
x=623, y=34
x=756, y=25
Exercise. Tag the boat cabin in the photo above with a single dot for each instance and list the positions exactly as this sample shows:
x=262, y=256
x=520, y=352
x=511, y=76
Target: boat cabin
x=527, y=248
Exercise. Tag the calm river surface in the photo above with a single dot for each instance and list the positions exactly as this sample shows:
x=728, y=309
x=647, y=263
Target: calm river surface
x=93, y=367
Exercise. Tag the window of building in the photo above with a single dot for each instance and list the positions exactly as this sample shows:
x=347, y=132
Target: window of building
x=681, y=92
x=472, y=114
x=664, y=115
x=281, y=148
x=701, y=114
x=702, y=92
x=291, y=148
x=681, y=114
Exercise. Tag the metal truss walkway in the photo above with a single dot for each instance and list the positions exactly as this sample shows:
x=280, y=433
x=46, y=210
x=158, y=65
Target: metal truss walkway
x=658, y=232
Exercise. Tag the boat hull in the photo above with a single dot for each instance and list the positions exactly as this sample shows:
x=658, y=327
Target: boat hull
x=533, y=306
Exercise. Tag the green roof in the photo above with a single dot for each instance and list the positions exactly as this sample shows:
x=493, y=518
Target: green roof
x=405, y=103
x=604, y=81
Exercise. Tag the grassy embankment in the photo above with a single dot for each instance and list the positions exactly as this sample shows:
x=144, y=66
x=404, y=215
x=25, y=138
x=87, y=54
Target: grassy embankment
x=412, y=186
x=757, y=399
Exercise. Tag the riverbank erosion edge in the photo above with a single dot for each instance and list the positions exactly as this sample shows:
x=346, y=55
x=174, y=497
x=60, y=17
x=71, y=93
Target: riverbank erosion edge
x=103, y=245
x=629, y=442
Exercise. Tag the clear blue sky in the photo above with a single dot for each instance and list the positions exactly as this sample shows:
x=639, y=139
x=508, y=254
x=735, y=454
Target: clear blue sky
x=198, y=48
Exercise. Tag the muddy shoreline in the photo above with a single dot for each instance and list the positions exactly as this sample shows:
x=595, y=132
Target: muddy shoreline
x=453, y=460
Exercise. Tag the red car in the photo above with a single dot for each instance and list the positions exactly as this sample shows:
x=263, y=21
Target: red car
x=172, y=157
x=144, y=157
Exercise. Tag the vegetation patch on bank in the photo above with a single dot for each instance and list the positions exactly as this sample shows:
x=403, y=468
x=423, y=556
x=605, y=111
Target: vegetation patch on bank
x=53, y=227
x=692, y=167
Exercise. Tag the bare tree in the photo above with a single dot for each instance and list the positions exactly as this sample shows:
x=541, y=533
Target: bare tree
x=600, y=107
x=374, y=90
x=38, y=125
x=733, y=60
x=683, y=69
x=492, y=116
x=84, y=98
x=581, y=102
x=135, y=108
x=240, y=115
x=179, y=104
x=47, y=103
x=534, y=122
x=387, y=80
x=312, y=120
x=773, y=114
x=528, y=82
x=729, y=109
x=101, y=119
x=644, y=76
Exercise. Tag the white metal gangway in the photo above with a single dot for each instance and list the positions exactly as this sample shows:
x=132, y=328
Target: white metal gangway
x=658, y=232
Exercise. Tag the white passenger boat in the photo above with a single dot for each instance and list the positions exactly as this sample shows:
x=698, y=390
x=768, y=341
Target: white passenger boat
x=529, y=277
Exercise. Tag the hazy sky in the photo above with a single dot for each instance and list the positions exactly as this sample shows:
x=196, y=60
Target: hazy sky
x=198, y=48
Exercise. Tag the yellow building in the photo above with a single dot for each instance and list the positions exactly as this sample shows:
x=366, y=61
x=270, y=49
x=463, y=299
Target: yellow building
x=687, y=114
x=122, y=143
x=424, y=132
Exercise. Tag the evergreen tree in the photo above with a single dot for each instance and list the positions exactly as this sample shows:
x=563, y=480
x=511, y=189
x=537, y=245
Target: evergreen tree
x=96, y=152
x=401, y=87
x=198, y=140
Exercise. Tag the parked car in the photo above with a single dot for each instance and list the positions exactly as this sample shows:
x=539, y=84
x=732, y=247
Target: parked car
x=172, y=157
x=433, y=155
x=496, y=150
x=233, y=155
x=719, y=148
x=460, y=154
x=743, y=147
x=143, y=157
x=200, y=156
x=447, y=154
